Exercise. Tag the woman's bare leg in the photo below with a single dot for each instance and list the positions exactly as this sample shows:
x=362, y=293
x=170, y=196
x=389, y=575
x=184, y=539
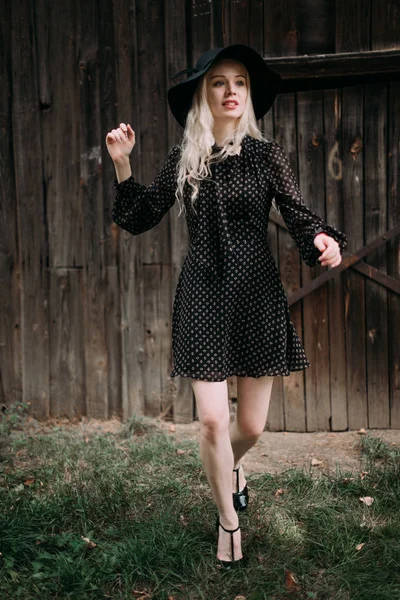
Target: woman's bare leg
x=254, y=395
x=217, y=457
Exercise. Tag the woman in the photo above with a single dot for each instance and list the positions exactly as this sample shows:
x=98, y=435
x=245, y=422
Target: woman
x=230, y=313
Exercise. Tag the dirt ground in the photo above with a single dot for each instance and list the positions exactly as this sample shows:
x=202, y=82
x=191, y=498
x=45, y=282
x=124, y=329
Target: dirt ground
x=274, y=452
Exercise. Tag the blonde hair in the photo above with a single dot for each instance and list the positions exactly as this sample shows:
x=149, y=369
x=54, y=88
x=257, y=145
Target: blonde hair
x=198, y=139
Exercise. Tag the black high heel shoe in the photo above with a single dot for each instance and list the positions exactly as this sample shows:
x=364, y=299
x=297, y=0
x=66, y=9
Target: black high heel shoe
x=240, y=498
x=229, y=564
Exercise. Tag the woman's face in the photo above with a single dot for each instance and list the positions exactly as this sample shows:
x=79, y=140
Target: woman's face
x=227, y=89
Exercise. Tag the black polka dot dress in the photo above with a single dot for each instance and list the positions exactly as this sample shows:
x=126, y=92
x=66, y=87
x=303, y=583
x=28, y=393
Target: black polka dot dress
x=230, y=312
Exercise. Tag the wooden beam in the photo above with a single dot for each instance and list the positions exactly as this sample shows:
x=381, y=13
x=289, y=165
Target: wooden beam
x=324, y=71
x=350, y=260
x=386, y=280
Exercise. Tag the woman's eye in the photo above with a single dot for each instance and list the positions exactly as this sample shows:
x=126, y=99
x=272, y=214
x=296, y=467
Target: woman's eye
x=239, y=82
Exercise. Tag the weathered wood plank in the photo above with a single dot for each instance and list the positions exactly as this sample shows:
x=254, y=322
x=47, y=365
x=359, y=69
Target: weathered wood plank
x=91, y=198
x=67, y=367
x=59, y=96
x=153, y=113
x=353, y=35
x=113, y=333
x=385, y=24
x=217, y=27
x=156, y=324
x=60, y=99
x=32, y=233
x=108, y=120
x=289, y=267
x=10, y=284
x=128, y=247
x=280, y=31
x=353, y=26
x=375, y=197
x=394, y=252
x=353, y=182
x=334, y=216
x=315, y=307
x=165, y=335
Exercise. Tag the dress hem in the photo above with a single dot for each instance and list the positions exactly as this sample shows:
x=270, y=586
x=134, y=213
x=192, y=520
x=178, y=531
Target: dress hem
x=236, y=372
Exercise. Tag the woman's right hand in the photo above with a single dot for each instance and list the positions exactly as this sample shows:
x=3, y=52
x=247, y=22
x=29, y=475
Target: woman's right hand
x=120, y=142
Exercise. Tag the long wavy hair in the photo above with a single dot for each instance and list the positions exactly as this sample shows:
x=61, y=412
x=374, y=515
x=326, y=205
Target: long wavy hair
x=198, y=139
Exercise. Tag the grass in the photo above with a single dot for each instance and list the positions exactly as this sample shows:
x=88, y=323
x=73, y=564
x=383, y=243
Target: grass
x=131, y=515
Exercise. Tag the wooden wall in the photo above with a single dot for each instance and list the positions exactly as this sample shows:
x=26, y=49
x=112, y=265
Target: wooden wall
x=85, y=315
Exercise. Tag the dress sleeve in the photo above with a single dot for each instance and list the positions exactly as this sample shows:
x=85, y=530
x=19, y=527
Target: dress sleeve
x=303, y=224
x=137, y=207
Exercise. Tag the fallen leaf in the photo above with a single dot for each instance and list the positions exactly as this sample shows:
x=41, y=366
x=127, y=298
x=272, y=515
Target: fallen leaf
x=315, y=462
x=90, y=544
x=359, y=546
x=363, y=474
x=141, y=594
x=347, y=479
x=367, y=500
x=278, y=492
x=29, y=481
x=290, y=580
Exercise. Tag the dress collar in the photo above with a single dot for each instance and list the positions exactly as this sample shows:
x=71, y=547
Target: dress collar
x=246, y=139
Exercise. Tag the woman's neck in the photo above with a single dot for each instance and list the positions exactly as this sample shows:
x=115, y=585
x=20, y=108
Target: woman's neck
x=223, y=134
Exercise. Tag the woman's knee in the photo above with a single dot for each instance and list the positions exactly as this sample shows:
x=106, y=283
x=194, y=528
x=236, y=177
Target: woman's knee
x=251, y=429
x=214, y=425
x=212, y=407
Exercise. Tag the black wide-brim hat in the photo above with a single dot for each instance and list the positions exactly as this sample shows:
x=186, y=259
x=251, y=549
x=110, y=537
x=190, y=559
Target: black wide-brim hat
x=264, y=82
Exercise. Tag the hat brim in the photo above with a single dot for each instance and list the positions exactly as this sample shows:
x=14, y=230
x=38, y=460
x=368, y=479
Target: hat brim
x=264, y=82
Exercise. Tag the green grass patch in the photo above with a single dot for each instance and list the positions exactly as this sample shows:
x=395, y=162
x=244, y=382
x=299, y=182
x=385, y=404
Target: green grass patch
x=128, y=516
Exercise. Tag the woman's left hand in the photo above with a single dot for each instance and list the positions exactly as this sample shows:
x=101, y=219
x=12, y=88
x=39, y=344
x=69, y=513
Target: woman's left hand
x=329, y=247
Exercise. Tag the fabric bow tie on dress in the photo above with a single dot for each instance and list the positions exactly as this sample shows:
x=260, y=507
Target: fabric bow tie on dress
x=219, y=252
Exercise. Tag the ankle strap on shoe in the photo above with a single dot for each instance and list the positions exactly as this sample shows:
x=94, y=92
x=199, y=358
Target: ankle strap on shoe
x=229, y=530
x=237, y=477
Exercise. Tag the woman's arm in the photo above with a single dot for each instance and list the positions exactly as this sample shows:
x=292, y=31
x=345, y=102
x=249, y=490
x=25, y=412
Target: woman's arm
x=122, y=168
x=303, y=223
x=138, y=208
